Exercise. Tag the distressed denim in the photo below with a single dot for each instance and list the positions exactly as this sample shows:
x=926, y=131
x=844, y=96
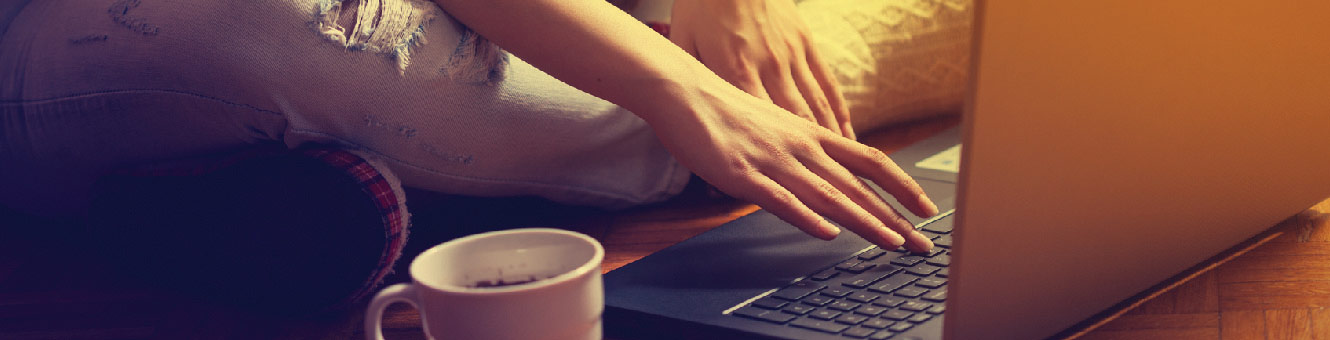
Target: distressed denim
x=89, y=86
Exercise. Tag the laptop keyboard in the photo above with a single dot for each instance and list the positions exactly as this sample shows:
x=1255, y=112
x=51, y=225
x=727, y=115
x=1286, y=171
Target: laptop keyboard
x=875, y=294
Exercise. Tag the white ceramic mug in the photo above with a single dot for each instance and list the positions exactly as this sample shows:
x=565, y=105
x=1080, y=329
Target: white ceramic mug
x=563, y=303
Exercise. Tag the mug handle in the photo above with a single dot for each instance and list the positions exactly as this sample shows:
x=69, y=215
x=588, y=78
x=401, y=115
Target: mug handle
x=401, y=292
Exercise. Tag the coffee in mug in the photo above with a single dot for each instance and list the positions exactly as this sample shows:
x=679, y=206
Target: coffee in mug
x=521, y=284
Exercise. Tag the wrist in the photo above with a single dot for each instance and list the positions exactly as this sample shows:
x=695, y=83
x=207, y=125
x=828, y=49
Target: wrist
x=672, y=94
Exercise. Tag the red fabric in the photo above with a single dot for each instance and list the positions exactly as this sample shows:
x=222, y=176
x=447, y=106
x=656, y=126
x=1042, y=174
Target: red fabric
x=372, y=183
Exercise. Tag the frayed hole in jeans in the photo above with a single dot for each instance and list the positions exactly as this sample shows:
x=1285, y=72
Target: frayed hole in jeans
x=390, y=27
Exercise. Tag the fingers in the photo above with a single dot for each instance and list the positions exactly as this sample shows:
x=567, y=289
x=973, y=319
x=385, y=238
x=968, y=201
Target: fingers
x=825, y=198
x=782, y=203
x=787, y=94
x=816, y=97
x=772, y=62
x=875, y=165
x=831, y=90
x=864, y=197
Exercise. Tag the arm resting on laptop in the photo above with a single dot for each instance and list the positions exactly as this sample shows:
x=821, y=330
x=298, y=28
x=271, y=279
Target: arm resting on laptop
x=745, y=146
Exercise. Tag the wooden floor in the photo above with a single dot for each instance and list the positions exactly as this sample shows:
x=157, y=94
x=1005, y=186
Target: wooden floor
x=1278, y=290
x=49, y=289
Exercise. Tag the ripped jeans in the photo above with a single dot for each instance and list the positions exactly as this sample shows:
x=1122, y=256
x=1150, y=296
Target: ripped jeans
x=89, y=86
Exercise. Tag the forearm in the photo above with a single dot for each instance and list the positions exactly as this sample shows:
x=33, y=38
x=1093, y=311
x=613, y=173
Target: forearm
x=747, y=146
x=590, y=45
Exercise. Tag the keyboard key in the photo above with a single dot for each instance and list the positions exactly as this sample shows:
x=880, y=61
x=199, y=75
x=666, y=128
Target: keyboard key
x=907, y=261
x=798, y=290
x=836, y=292
x=900, y=327
x=749, y=311
x=889, y=301
x=824, y=314
x=897, y=315
x=864, y=297
x=861, y=267
x=858, y=332
x=870, y=310
x=867, y=278
x=798, y=309
x=843, y=305
x=777, y=316
x=851, y=319
x=892, y=254
x=819, y=325
x=818, y=300
x=910, y=292
x=877, y=323
x=824, y=275
x=915, y=306
x=881, y=335
x=938, y=295
x=943, y=241
x=892, y=283
x=764, y=315
x=847, y=264
x=881, y=312
x=930, y=282
x=940, y=227
x=920, y=318
x=922, y=270
x=861, y=282
x=872, y=254
x=770, y=303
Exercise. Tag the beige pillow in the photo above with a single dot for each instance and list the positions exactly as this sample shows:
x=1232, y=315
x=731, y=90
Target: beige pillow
x=896, y=60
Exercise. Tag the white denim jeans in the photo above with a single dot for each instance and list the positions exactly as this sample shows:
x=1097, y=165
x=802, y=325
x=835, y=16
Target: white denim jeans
x=93, y=85
x=88, y=86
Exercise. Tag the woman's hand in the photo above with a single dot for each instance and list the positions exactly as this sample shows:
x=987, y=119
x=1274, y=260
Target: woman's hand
x=762, y=47
x=750, y=149
x=744, y=145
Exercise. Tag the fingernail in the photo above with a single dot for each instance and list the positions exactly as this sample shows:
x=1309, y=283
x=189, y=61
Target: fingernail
x=896, y=240
x=928, y=205
x=927, y=243
x=830, y=230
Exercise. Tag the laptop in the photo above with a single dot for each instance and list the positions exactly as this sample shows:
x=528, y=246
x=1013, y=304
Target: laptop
x=1105, y=146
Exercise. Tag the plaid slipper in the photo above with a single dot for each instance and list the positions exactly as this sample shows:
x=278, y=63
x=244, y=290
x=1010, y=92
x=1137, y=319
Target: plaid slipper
x=294, y=232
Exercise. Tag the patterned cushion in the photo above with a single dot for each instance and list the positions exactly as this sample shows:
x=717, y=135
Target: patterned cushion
x=896, y=60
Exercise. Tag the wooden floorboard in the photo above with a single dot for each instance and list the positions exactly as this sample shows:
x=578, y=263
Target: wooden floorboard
x=1320, y=319
x=1278, y=290
x=1242, y=325
x=1156, y=334
x=1287, y=324
x=1201, y=295
x=1163, y=321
